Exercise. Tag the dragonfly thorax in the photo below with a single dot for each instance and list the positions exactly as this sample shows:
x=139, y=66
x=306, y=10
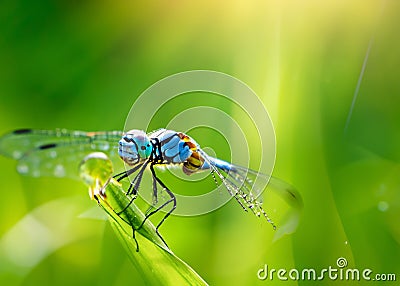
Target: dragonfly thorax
x=134, y=147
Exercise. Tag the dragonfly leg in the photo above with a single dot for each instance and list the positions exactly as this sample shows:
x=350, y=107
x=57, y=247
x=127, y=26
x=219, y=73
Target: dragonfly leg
x=120, y=176
x=123, y=219
x=171, y=200
x=134, y=186
x=134, y=237
x=125, y=174
x=155, y=193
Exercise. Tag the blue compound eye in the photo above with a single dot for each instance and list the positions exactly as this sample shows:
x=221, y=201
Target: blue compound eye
x=127, y=151
x=134, y=146
x=145, y=151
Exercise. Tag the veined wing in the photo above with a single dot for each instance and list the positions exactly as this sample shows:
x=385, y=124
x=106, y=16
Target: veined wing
x=256, y=182
x=247, y=185
x=56, y=152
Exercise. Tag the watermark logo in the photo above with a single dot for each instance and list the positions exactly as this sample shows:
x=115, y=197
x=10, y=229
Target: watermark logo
x=232, y=110
x=341, y=262
x=340, y=272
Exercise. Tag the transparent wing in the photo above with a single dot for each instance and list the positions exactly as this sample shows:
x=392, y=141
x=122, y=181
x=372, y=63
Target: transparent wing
x=56, y=152
x=256, y=182
x=247, y=185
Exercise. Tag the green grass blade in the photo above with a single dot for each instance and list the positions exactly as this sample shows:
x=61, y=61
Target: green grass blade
x=157, y=264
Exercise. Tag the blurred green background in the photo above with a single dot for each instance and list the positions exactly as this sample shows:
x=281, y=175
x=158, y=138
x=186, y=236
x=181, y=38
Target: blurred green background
x=81, y=64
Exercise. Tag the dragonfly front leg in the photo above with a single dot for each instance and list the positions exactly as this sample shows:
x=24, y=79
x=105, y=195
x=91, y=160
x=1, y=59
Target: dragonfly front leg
x=135, y=184
x=132, y=190
x=125, y=174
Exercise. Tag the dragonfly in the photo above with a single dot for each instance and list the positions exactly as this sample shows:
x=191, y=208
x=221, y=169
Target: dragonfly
x=58, y=153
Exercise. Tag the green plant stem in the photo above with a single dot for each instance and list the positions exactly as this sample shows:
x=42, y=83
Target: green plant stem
x=157, y=264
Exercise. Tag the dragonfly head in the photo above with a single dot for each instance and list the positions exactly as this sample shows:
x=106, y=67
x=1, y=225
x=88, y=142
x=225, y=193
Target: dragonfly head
x=134, y=146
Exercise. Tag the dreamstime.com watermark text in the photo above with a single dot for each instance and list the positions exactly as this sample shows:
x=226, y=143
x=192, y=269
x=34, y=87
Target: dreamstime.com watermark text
x=340, y=273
